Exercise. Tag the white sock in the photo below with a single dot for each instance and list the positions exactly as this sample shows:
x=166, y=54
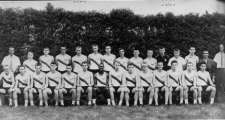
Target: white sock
x=16, y=103
x=94, y=101
x=10, y=102
x=108, y=101
x=73, y=102
x=195, y=101
x=211, y=100
x=32, y=103
x=89, y=102
x=78, y=102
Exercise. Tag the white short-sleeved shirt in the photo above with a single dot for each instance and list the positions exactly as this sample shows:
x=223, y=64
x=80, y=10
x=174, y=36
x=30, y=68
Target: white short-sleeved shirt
x=62, y=61
x=45, y=61
x=151, y=62
x=39, y=79
x=160, y=78
x=7, y=79
x=95, y=58
x=123, y=63
x=116, y=78
x=85, y=78
x=137, y=63
x=180, y=62
x=147, y=78
x=174, y=78
x=30, y=65
x=193, y=59
x=77, y=62
x=69, y=80
x=203, y=78
x=54, y=79
x=220, y=59
x=23, y=80
x=108, y=62
x=12, y=61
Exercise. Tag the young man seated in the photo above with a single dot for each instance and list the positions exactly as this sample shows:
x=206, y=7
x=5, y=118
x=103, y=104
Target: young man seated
x=85, y=83
x=69, y=84
x=54, y=84
x=189, y=77
x=205, y=84
x=160, y=83
x=174, y=82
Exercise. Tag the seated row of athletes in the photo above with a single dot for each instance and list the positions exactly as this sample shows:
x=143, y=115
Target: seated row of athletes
x=129, y=80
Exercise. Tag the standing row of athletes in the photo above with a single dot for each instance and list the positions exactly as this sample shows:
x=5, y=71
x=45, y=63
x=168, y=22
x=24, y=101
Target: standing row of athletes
x=107, y=75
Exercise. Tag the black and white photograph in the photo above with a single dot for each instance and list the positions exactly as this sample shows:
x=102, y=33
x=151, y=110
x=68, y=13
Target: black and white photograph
x=112, y=59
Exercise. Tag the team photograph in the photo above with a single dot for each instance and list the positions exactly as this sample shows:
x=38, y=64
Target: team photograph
x=105, y=60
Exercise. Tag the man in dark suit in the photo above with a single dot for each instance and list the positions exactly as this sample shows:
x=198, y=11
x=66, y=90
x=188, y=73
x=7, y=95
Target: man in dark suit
x=162, y=57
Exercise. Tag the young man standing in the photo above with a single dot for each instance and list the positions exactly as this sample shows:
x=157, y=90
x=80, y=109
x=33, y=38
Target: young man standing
x=192, y=58
x=11, y=60
x=24, y=84
x=174, y=82
x=205, y=84
x=136, y=61
x=38, y=83
x=180, y=61
x=8, y=84
x=189, y=77
x=45, y=60
x=85, y=83
x=62, y=60
x=78, y=59
x=69, y=84
x=94, y=59
x=150, y=61
x=108, y=59
x=101, y=80
x=122, y=60
x=147, y=77
x=115, y=80
x=30, y=63
x=163, y=57
x=160, y=83
x=54, y=84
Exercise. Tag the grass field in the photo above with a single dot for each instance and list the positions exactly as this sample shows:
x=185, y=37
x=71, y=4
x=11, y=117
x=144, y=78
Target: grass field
x=216, y=111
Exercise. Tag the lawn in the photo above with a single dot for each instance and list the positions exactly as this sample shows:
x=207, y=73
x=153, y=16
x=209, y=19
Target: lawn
x=215, y=111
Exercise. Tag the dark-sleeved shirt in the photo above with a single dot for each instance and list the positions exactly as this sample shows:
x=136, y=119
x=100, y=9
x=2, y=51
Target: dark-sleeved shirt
x=164, y=59
x=211, y=66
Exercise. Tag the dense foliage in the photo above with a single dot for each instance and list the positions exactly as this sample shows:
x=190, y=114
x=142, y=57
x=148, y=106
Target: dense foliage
x=54, y=27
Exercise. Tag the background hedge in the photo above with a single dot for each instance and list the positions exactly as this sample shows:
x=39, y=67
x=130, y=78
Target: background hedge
x=121, y=28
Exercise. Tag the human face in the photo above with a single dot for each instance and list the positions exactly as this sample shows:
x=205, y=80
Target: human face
x=108, y=49
x=84, y=66
x=160, y=66
x=30, y=55
x=136, y=53
x=162, y=51
x=150, y=53
x=63, y=50
x=78, y=50
x=68, y=69
x=174, y=66
x=38, y=68
x=95, y=48
x=205, y=54
x=192, y=50
x=176, y=53
x=121, y=52
x=189, y=66
x=53, y=67
x=6, y=68
x=203, y=67
x=22, y=70
x=46, y=51
x=116, y=65
x=11, y=51
x=144, y=67
x=221, y=48
x=130, y=68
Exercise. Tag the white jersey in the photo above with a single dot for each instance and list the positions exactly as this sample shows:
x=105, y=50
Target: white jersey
x=46, y=61
x=7, y=79
x=102, y=80
x=54, y=79
x=95, y=60
x=85, y=78
x=116, y=78
x=137, y=62
x=160, y=78
x=30, y=65
x=39, y=79
x=123, y=63
x=203, y=78
x=189, y=78
x=174, y=78
x=147, y=78
x=193, y=59
x=130, y=79
x=180, y=62
x=151, y=62
x=69, y=80
x=23, y=80
x=62, y=61
x=108, y=61
x=77, y=63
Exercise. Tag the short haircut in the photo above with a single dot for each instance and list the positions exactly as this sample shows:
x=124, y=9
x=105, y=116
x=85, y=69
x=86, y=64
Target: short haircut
x=201, y=63
x=11, y=47
x=46, y=48
x=53, y=63
x=84, y=62
x=121, y=49
x=192, y=47
x=160, y=62
x=22, y=66
x=93, y=45
x=176, y=50
x=78, y=46
x=174, y=61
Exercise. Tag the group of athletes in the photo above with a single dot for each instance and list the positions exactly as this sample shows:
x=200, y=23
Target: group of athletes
x=95, y=74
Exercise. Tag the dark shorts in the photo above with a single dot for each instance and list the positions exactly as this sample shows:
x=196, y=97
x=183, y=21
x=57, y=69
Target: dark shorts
x=45, y=72
x=6, y=90
x=62, y=72
x=94, y=71
x=52, y=88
